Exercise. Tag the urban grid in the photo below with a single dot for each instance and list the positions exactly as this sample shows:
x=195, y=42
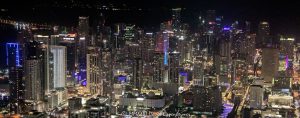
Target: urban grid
x=97, y=66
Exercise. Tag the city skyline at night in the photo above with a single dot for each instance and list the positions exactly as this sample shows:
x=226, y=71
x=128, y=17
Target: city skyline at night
x=171, y=58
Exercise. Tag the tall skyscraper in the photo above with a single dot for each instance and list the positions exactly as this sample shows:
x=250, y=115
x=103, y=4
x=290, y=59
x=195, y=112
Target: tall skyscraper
x=287, y=55
x=33, y=83
x=33, y=75
x=176, y=19
x=13, y=55
x=14, y=64
x=94, y=80
x=71, y=59
x=270, y=63
x=16, y=85
x=129, y=33
x=59, y=66
x=263, y=34
x=83, y=42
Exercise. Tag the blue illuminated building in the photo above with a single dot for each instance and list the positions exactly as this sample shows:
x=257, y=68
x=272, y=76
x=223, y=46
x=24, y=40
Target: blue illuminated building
x=166, y=46
x=13, y=55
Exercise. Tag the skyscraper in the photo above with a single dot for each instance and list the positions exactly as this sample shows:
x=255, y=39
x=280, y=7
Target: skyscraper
x=59, y=66
x=270, y=63
x=33, y=83
x=263, y=34
x=94, y=80
x=83, y=42
x=13, y=55
x=33, y=75
x=14, y=64
x=176, y=19
x=16, y=85
x=256, y=96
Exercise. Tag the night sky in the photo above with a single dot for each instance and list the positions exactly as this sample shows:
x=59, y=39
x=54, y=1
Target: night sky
x=283, y=15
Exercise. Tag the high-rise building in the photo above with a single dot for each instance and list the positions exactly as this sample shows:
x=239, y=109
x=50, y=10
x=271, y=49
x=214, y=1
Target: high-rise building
x=270, y=63
x=33, y=84
x=13, y=55
x=94, y=80
x=256, y=96
x=176, y=19
x=263, y=34
x=16, y=80
x=34, y=92
x=287, y=51
x=59, y=66
x=129, y=33
x=83, y=42
x=71, y=59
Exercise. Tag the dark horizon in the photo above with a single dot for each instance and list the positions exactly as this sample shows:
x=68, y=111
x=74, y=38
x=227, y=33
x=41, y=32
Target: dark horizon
x=283, y=16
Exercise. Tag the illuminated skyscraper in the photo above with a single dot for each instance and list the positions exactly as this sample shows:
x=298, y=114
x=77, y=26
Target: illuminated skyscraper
x=13, y=55
x=59, y=66
x=287, y=55
x=84, y=41
x=16, y=89
x=94, y=80
x=129, y=34
x=33, y=74
x=176, y=19
x=33, y=83
x=13, y=61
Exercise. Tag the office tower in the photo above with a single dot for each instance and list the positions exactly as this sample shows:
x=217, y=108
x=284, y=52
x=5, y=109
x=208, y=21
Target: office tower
x=210, y=31
x=33, y=83
x=256, y=96
x=94, y=79
x=137, y=73
x=59, y=66
x=270, y=63
x=106, y=61
x=71, y=59
x=83, y=26
x=166, y=48
x=207, y=99
x=287, y=51
x=282, y=82
x=176, y=19
x=33, y=75
x=16, y=89
x=117, y=31
x=166, y=61
x=174, y=67
x=250, y=48
x=83, y=42
x=13, y=55
x=13, y=61
x=129, y=33
x=159, y=43
x=263, y=35
x=97, y=30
